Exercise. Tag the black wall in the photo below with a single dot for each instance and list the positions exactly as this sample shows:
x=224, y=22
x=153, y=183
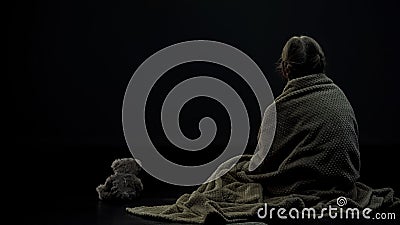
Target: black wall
x=69, y=63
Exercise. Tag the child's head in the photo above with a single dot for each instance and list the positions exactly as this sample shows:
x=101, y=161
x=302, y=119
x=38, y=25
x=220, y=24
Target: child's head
x=301, y=56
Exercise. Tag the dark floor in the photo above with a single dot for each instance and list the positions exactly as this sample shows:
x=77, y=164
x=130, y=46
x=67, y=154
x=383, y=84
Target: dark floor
x=58, y=186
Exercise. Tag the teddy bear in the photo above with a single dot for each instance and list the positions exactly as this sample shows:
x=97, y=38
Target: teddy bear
x=123, y=185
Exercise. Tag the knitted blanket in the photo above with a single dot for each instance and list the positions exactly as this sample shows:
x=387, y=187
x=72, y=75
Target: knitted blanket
x=314, y=159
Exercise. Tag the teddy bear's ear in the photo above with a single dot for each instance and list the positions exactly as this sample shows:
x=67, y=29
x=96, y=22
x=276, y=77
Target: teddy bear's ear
x=126, y=166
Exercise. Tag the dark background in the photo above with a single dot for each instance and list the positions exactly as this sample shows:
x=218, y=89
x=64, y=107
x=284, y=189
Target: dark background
x=69, y=62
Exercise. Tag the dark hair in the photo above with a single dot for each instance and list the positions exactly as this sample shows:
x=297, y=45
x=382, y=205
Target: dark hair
x=301, y=56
